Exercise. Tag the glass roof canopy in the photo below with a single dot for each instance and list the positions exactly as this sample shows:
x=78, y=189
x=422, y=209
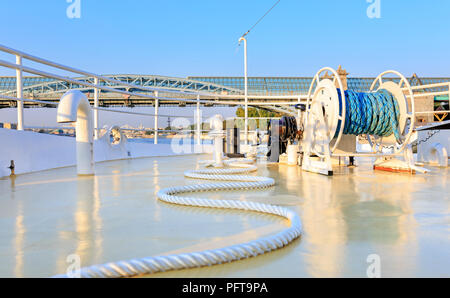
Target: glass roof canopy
x=256, y=85
x=300, y=85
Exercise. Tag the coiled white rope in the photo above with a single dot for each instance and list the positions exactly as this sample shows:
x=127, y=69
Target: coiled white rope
x=253, y=248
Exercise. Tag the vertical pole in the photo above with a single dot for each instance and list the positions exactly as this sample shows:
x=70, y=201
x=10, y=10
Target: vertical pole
x=199, y=122
x=246, y=92
x=19, y=86
x=96, y=90
x=299, y=115
x=156, y=118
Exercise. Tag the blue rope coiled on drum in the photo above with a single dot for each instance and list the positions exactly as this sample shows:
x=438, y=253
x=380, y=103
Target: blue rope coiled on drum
x=375, y=113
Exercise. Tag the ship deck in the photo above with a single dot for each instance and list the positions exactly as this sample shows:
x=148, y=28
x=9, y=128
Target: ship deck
x=405, y=219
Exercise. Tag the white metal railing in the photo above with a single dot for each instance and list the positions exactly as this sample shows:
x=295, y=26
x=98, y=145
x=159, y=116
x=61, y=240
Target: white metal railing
x=38, y=60
x=121, y=128
x=96, y=128
x=417, y=93
x=96, y=86
x=20, y=69
x=421, y=91
x=126, y=129
x=154, y=95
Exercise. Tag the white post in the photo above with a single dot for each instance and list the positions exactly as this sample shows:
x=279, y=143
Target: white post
x=96, y=91
x=19, y=86
x=246, y=90
x=156, y=118
x=216, y=124
x=199, y=122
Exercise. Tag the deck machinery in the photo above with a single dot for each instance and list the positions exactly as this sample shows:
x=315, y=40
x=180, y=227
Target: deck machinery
x=325, y=119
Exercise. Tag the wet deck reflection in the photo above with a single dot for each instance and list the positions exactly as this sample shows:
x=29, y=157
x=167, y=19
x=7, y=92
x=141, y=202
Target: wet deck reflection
x=114, y=215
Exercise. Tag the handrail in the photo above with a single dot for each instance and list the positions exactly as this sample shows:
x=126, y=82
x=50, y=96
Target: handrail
x=82, y=83
x=113, y=90
x=95, y=108
x=122, y=83
x=78, y=71
x=427, y=86
x=213, y=99
x=121, y=128
x=430, y=86
x=74, y=81
x=432, y=112
x=429, y=94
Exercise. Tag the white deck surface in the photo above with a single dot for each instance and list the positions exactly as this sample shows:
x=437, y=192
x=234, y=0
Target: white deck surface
x=405, y=219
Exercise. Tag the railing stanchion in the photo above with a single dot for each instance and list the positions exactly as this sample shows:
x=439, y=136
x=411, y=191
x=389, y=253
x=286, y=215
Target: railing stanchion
x=199, y=122
x=19, y=85
x=96, y=91
x=156, y=117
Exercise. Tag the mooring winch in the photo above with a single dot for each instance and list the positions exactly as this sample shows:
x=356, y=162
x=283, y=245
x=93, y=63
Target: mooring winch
x=335, y=117
x=282, y=133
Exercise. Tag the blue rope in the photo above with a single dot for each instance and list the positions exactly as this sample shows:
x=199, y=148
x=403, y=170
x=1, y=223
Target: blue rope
x=375, y=113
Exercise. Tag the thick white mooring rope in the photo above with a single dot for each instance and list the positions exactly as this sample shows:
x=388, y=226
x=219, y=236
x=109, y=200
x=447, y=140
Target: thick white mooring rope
x=253, y=248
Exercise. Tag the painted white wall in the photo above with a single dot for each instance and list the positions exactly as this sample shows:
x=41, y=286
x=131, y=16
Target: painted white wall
x=33, y=152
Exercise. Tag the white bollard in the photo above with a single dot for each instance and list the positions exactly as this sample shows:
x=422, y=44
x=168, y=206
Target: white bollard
x=292, y=153
x=74, y=107
x=217, y=132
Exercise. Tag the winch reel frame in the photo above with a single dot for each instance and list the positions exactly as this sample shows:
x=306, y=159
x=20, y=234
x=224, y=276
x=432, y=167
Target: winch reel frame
x=324, y=105
x=324, y=116
x=325, y=119
x=407, y=110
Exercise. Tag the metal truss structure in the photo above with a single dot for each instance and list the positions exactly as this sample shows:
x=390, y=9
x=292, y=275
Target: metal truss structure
x=285, y=86
x=218, y=90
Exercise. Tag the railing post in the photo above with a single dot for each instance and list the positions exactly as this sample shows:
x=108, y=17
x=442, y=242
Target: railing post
x=96, y=91
x=19, y=85
x=199, y=141
x=155, y=140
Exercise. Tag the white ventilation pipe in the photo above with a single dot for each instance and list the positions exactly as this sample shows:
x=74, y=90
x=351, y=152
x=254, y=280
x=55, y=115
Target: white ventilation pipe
x=74, y=107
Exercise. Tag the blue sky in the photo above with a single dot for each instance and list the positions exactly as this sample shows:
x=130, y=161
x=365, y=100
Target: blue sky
x=199, y=37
